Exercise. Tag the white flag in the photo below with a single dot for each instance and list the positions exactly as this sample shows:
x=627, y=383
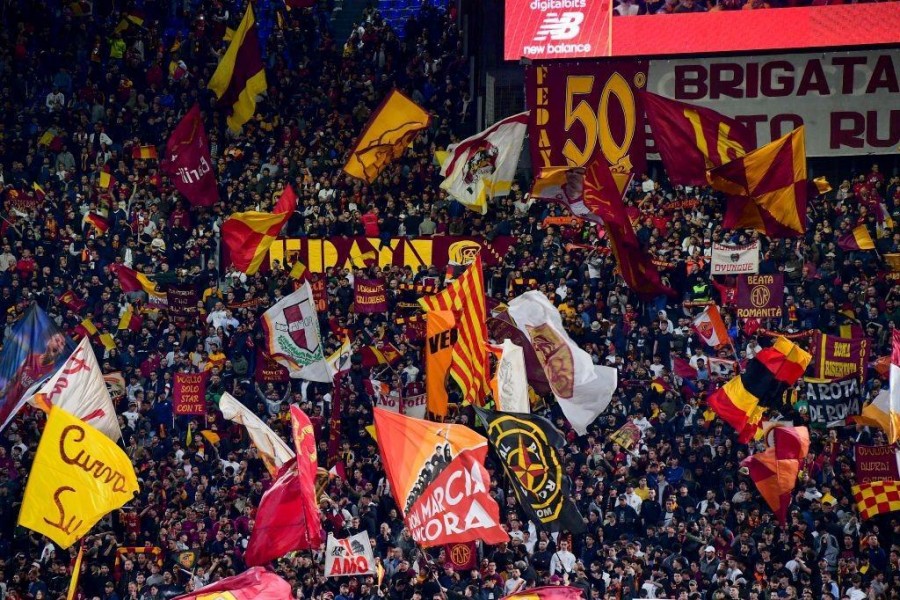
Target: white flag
x=292, y=335
x=414, y=406
x=512, y=380
x=484, y=165
x=339, y=361
x=349, y=556
x=78, y=388
x=272, y=449
x=734, y=260
x=582, y=388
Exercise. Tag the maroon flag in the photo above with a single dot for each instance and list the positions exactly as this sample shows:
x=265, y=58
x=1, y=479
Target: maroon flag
x=253, y=584
x=188, y=162
x=189, y=395
x=369, y=296
x=692, y=139
x=462, y=555
x=70, y=300
x=269, y=370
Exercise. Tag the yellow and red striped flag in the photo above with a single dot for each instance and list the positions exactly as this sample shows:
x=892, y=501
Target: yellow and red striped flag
x=132, y=281
x=465, y=298
x=248, y=235
x=144, y=152
x=97, y=222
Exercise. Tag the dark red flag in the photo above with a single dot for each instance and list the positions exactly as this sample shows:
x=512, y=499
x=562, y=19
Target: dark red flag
x=253, y=584
x=188, y=162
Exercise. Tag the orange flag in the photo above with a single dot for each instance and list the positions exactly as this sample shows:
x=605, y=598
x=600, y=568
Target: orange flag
x=248, y=235
x=440, y=337
x=775, y=470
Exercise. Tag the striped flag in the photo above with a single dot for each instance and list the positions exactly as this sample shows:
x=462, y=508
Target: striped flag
x=465, y=298
x=248, y=235
x=884, y=410
x=858, y=239
x=144, y=152
x=38, y=190
x=132, y=281
x=241, y=75
x=96, y=221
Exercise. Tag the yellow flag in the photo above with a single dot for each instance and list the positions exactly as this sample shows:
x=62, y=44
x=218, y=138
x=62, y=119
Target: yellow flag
x=107, y=340
x=78, y=476
x=389, y=132
x=298, y=270
x=76, y=572
x=89, y=326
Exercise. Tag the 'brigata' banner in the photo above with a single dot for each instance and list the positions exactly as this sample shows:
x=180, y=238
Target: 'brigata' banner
x=735, y=260
x=831, y=401
x=876, y=463
x=580, y=109
x=318, y=254
x=760, y=296
x=848, y=100
x=835, y=357
x=369, y=296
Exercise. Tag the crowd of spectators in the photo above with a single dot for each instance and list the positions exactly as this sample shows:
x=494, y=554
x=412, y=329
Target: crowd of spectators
x=673, y=517
x=631, y=8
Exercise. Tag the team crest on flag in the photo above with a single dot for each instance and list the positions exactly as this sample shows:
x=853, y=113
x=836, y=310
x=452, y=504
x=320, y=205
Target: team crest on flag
x=556, y=356
x=292, y=334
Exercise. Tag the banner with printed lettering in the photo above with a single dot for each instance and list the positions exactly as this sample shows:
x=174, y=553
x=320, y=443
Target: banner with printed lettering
x=414, y=406
x=369, y=296
x=189, y=393
x=318, y=285
x=115, y=384
x=735, y=260
x=832, y=401
x=268, y=370
x=581, y=109
x=876, y=463
x=760, y=296
x=182, y=303
x=81, y=475
x=382, y=395
x=835, y=357
x=349, y=556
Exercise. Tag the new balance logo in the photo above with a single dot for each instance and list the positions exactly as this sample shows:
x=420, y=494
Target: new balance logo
x=560, y=26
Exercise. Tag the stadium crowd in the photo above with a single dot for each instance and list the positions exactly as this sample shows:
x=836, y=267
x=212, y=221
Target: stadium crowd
x=631, y=8
x=673, y=517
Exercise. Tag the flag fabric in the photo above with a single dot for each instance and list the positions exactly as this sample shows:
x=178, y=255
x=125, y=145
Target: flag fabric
x=483, y=166
x=775, y=470
x=501, y=327
x=379, y=353
x=711, y=328
x=465, y=298
x=69, y=496
x=390, y=130
x=527, y=447
x=287, y=518
x=130, y=320
x=76, y=573
x=603, y=197
x=462, y=555
x=87, y=328
x=383, y=396
x=298, y=271
x=349, y=556
x=70, y=300
x=510, y=383
x=32, y=351
x=132, y=281
x=100, y=224
x=106, y=180
x=773, y=370
x=627, y=435
x=564, y=186
x=441, y=336
x=144, y=152
x=78, y=387
x=858, y=239
x=437, y=477
x=292, y=336
x=240, y=76
x=692, y=139
x=884, y=410
x=876, y=498
x=339, y=361
x=582, y=389
x=256, y=583
x=188, y=162
x=767, y=189
x=39, y=192
x=248, y=235
x=273, y=451
x=551, y=592
x=821, y=184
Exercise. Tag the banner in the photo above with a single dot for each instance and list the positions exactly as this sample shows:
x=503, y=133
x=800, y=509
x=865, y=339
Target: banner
x=437, y=477
x=349, y=556
x=835, y=357
x=414, y=406
x=318, y=285
x=846, y=99
x=78, y=388
x=440, y=337
x=627, y=435
x=189, y=393
x=832, y=401
x=510, y=385
x=83, y=476
x=182, y=300
x=188, y=162
x=462, y=555
x=268, y=370
x=760, y=296
x=527, y=445
x=876, y=463
x=382, y=395
x=735, y=260
x=292, y=336
x=581, y=109
x=115, y=384
x=319, y=254
x=369, y=296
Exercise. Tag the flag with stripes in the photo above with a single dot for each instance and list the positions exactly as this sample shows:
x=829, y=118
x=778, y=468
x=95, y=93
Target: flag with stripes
x=144, y=152
x=465, y=298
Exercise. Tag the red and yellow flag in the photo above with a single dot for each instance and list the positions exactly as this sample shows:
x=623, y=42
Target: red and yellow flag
x=106, y=180
x=775, y=470
x=132, y=281
x=100, y=224
x=241, y=75
x=144, y=152
x=858, y=239
x=256, y=583
x=391, y=129
x=767, y=188
x=876, y=498
x=465, y=299
x=248, y=235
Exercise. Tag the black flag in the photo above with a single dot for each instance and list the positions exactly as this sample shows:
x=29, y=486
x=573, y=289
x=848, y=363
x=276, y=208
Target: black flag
x=527, y=446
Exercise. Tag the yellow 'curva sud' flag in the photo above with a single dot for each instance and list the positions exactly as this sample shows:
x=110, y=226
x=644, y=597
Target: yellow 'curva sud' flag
x=78, y=476
x=391, y=128
x=241, y=75
x=767, y=188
